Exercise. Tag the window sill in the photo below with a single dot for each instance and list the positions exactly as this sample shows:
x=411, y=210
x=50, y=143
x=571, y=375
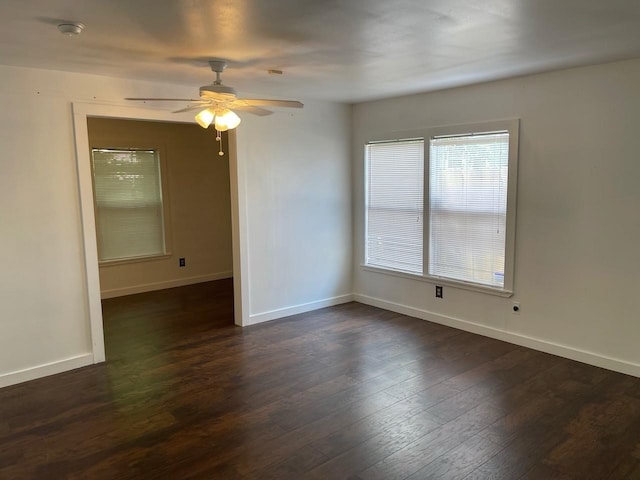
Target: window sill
x=125, y=261
x=440, y=281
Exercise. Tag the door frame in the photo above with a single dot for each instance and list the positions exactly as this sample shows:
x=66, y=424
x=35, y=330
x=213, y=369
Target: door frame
x=81, y=112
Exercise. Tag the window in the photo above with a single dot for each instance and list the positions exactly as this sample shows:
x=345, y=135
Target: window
x=395, y=204
x=128, y=204
x=443, y=207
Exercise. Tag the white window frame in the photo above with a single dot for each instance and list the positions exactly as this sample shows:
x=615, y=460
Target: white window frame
x=511, y=126
x=160, y=149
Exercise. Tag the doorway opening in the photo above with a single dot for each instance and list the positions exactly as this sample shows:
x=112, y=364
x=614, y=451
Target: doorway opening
x=162, y=205
x=109, y=127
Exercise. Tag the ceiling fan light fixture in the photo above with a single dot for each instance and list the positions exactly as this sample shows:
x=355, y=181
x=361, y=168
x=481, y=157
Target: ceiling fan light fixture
x=226, y=120
x=205, y=117
x=217, y=100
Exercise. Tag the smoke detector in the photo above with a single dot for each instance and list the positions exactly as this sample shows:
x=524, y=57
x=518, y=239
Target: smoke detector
x=70, y=29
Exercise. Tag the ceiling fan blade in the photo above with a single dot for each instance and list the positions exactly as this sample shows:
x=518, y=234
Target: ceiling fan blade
x=191, y=108
x=165, y=99
x=251, y=109
x=273, y=103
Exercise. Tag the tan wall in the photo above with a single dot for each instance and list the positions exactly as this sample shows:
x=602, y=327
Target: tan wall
x=198, y=204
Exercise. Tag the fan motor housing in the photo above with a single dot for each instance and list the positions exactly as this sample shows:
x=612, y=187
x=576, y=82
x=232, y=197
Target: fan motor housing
x=217, y=91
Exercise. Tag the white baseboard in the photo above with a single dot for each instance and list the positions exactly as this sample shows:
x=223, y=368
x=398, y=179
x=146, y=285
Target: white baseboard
x=296, y=309
x=45, y=370
x=565, y=351
x=149, y=287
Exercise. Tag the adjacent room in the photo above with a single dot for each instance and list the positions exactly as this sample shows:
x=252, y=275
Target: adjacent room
x=323, y=240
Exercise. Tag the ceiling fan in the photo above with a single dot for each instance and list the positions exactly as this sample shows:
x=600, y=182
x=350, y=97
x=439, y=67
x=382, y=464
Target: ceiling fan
x=217, y=103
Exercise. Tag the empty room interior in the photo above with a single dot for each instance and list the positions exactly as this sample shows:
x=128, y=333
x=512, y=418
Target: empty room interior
x=320, y=240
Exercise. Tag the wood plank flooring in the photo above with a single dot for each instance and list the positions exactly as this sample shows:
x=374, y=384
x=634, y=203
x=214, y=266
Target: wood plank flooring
x=347, y=392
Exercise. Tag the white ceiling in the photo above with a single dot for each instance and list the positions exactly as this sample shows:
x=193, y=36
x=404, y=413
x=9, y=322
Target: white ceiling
x=340, y=50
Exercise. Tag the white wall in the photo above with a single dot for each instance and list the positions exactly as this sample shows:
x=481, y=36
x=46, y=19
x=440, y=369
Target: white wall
x=42, y=301
x=297, y=185
x=578, y=226
x=44, y=324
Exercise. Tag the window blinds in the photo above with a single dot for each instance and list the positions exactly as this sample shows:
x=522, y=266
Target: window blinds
x=128, y=200
x=394, y=223
x=468, y=206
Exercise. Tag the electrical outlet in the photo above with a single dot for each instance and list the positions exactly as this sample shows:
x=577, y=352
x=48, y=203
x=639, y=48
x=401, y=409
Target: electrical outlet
x=182, y=262
x=516, y=308
x=439, y=291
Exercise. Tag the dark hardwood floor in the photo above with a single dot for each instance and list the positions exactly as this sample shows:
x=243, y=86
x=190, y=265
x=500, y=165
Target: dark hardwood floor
x=347, y=392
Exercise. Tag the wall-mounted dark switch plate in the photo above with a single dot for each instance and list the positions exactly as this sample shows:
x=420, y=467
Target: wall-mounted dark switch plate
x=182, y=262
x=438, y=291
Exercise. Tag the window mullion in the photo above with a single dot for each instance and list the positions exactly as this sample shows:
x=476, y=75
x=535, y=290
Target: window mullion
x=426, y=221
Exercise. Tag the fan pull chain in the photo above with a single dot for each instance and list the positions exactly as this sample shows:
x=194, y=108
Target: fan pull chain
x=219, y=139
